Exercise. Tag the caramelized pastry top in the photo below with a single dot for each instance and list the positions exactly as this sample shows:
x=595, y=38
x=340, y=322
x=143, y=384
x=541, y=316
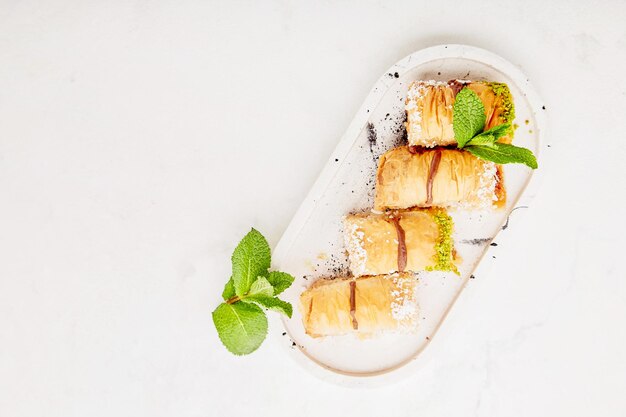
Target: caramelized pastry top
x=382, y=302
x=429, y=107
x=405, y=179
x=415, y=240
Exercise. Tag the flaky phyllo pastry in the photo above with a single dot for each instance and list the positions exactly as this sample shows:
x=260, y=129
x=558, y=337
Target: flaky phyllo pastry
x=409, y=230
x=359, y=305
x=409, y=177
x=414, y=241
x=429, y=109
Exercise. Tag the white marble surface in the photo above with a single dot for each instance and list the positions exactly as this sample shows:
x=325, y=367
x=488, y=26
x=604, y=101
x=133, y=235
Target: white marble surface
x=140, y=140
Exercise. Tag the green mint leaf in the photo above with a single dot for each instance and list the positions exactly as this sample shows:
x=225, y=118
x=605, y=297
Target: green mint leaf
x=468, y=117
x=280, y=281
x=499, y=130
x=251, y=259
x=501, y=153
x=229, y=290
x=484, y=139
x=241, y=327
x=272, y=303
x=261, y=287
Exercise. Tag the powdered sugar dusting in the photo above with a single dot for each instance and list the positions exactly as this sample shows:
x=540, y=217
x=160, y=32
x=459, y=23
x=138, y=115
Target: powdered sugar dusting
x=487, y=182
x=486, y=193
x=404, y=304
x=413, y=106
x=357, y=255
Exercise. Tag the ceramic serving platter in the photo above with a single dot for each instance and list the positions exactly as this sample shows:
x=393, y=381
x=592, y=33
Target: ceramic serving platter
x=312, y=246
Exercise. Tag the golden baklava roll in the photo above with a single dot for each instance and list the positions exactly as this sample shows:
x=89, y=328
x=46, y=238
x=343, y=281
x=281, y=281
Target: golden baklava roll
x=399, y=241
x=429, y=109
x=365, y=305
x=410, y=177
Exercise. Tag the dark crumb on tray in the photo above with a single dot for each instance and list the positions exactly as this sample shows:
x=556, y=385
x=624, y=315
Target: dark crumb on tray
x=371, y=135
x=477, y=241
x=372, y=140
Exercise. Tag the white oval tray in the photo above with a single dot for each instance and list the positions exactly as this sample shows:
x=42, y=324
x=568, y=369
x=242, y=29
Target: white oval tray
x=312, y=246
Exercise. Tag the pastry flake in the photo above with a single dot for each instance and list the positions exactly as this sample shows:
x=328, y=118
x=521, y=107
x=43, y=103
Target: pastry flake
x=366, y=305
x=429, y=108
x=408, y=178
x=412, y=241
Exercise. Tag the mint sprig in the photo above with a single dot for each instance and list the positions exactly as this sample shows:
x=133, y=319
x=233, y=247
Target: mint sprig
x=468, y=123
x=240, y=320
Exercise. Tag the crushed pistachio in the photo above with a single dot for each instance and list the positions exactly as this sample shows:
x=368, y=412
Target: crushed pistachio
x=514, y=127
x=444, y=246
x=502, y=90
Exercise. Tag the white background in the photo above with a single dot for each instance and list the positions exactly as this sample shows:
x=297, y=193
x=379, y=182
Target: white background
x=140, y=140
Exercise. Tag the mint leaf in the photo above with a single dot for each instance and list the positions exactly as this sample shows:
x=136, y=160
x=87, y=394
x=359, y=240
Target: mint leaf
x=489, y=137
x=280, y=281
x=468, y=118
x=499, y=130
x=483, y=139
x=501, y=153
x=229, y=290
x=261, y=287
x=250, y=259
x=271, y=303
x=241, y=327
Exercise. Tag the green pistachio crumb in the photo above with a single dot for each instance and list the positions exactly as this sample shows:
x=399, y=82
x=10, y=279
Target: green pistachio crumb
x=502, y=90
x=512, y=131
x=444, y=246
